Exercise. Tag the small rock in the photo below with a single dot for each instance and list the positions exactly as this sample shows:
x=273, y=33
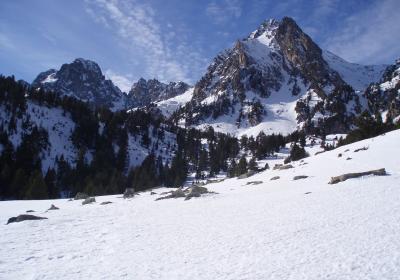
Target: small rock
x=105, y=202
x=275, y=178
x=53, y=207
x=346, y=150
x=153, y=193
x=129, y=192
x=81, y=195
x=30, y=211
x=307, y=193
x=299, y=177
x=254, y=182
x=283, y=167
x=361, y=149
x=88, y=200
x=349, y=158
x=24, y=217
x=339, y=155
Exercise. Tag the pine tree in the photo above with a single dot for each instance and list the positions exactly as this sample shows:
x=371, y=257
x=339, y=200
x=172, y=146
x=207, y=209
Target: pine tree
x=242, y=166
x=37, y=188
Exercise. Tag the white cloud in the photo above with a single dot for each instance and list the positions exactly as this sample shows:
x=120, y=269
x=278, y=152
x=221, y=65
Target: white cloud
x=370, y=36
x=138, y=30
x=123, y=82
x=224, y=12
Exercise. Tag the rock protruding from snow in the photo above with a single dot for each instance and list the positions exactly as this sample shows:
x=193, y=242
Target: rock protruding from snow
x=53, y=207
x=89, y=200
x=129, y=193
x=344, y=177
x=24, y=217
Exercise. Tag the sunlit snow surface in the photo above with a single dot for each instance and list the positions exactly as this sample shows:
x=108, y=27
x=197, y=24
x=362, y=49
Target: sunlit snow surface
x=273, y=230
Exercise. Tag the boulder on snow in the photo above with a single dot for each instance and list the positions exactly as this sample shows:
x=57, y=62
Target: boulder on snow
x=53, y=207
x=153, y=193
x=24, y=217
x=282, y=167
x=81, y=195
x=344, y=177
x=274, y=178
x=254, y=182
x=299, y=177
x=129, y=192
x=173, y=194
x=196, y=191
x=88, y=200
x=30, y=211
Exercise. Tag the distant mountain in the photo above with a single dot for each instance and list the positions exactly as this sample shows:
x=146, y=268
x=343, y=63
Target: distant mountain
x=145, y=92
x=278, y=80
x=84, y=80
x=384, y=96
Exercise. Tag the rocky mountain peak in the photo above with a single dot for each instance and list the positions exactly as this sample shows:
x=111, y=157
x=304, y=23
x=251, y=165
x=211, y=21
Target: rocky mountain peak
x=144, y=92
x=82, y=79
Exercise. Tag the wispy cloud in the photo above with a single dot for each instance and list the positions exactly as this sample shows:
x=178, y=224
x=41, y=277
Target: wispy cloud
x=223, y=12
x=370, y=36
x=147, y=44
x=124, y=82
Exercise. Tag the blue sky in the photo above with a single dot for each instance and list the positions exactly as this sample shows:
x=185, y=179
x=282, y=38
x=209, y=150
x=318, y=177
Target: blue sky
x=176, y=39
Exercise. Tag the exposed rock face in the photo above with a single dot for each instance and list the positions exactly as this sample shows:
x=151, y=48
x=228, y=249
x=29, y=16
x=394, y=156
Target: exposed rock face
x=84, y=80
x=145, y=92
x=385, y=95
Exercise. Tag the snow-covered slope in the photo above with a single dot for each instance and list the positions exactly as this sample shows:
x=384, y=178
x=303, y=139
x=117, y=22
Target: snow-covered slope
x=356, y=75
x=282, y=229
x=169, y=106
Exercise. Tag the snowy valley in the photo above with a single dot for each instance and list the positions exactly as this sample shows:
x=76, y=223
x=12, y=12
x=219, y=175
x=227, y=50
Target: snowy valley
x=250, y=228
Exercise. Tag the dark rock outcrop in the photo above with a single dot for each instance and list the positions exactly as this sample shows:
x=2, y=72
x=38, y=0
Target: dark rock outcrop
x=145, y=92
x=299, y=177
x=53, y=207
x=24, y=217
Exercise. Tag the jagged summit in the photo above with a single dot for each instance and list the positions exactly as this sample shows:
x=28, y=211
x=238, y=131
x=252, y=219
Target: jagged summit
x=84, y=80
x=144, y=92
x=277, y=79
